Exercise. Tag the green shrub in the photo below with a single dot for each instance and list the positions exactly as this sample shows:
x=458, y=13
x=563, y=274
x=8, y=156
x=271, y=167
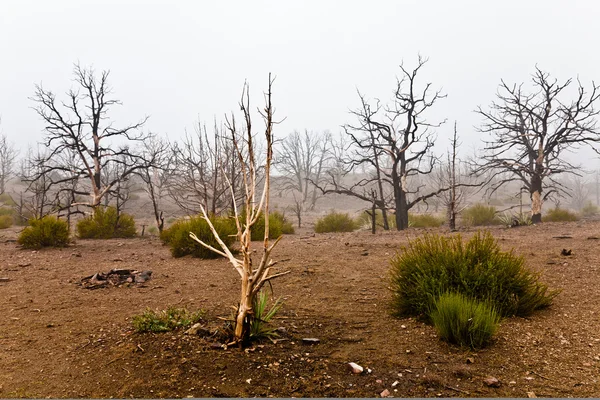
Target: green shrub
x=462, y=321
x=480, y=215
x=177, y=236
x=166, y=320
x=278, y=225
x=46, y=232
x=105, y=224
x=261, y=317
x=433, y=265
x=6, y=211
x=287, y=228
x=364, y=219
x=336, y=222
x=6, y=221
x=153, y=230
x=425, y=221
x=520, y=219
x=589, y=210
x=7, y=200
x=559, y=215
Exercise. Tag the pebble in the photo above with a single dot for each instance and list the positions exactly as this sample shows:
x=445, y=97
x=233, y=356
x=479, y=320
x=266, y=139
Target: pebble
x=492, y=382
x=355, y=368
x=385, y=393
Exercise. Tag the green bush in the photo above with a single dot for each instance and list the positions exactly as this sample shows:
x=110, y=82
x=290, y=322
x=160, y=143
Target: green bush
x=6, y=221
x=261, y=317
x=177, y=236
x=589, y=210
x=336, y=222
x=105, y=224
x=480, y=215
x=433, y=265
x=46, y=232
x=462, y=321
x=425, y=221
x=364, y=219
x=153, y=230
x=166, y=320
x=278, y=225
x=7, y=200
x=559, y=215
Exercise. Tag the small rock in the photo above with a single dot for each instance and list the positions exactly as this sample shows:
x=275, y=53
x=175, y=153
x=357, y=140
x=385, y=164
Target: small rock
x=4, y=279
x=470, y=360
x=355, y=368
x=24, y=264
x=408, y=351
x=492, y=382
x=403, y=326
x=385, y=393
x=75, y=254
x=587, y=364
x=378, y=381
x=364, y=253
x=565, y=252
x=395, y=384
x=193, y=329
x=311, y=340
x=281, y=329
x=531, y=395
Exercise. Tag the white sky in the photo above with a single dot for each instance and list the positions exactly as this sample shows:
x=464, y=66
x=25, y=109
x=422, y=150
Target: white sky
x=177, y=60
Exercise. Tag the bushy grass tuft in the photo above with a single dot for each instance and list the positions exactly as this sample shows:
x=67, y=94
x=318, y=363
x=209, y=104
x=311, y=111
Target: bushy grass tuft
x=480, y=215
x=336, y=222
x=590, y=210
x=433, y=265
x=462, y=321
x=259, y=328
x=6, y=221
x=105, y=224
x=45, y=232
x=425, y=221
x=278, y=225
x=560, y=215
x=166, y=320
x=177, y=236
x=7, y=200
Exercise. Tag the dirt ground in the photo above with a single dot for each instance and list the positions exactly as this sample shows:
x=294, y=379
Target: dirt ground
x=61, y=340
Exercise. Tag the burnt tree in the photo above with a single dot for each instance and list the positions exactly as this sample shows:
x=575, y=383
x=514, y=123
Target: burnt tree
x=532, y=130
x=79, y=125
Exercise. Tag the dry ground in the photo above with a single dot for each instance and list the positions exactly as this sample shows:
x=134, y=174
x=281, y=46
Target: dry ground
x=60, y=340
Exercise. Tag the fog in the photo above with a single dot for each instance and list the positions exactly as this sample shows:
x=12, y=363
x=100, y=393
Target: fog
x=179, y=61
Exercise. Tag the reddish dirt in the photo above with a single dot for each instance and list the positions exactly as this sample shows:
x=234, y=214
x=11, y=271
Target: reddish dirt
x=61, y=340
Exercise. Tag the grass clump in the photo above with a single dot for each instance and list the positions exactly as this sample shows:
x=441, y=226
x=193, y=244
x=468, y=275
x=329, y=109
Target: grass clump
x=278, y=225
x=104, y=223
x=177, y=236
x=480, y=215
x=7, y=200
x=45, y=232
x=259, y=328
x=364, y=219
x=425, y=221
x=166, y=320
x=336, y=222
x=462, y=321
x=433, y=265
x=590, y=210
x=560, y=215
x=6, y=221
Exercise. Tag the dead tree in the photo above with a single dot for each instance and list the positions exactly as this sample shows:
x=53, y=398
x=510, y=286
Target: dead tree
x=302, y=159
x=8, y=157
x=156, y=177
x=253, y=275
x=396, y=142
x=38, y=200
x=202, y=165
x=80, y=125
x=531, y=131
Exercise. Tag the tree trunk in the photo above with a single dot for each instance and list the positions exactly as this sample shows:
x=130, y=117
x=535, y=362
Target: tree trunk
x=536, y=199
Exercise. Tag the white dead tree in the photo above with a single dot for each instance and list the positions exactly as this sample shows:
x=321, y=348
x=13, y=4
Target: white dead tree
x=8, y=156
x=253, y=275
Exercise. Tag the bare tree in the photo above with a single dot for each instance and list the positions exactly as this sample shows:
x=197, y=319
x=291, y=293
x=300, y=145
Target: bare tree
x=253, y=276
x=302, y=159
x=579, y=191
x=156, y=177
x=80, y=126
x=8, y=157
x=201, y=167
x=530, y=132
x=38, y=200
x=396, y=141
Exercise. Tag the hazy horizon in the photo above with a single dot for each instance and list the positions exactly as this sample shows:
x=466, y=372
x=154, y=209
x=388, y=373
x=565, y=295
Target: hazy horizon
x=178, y=62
